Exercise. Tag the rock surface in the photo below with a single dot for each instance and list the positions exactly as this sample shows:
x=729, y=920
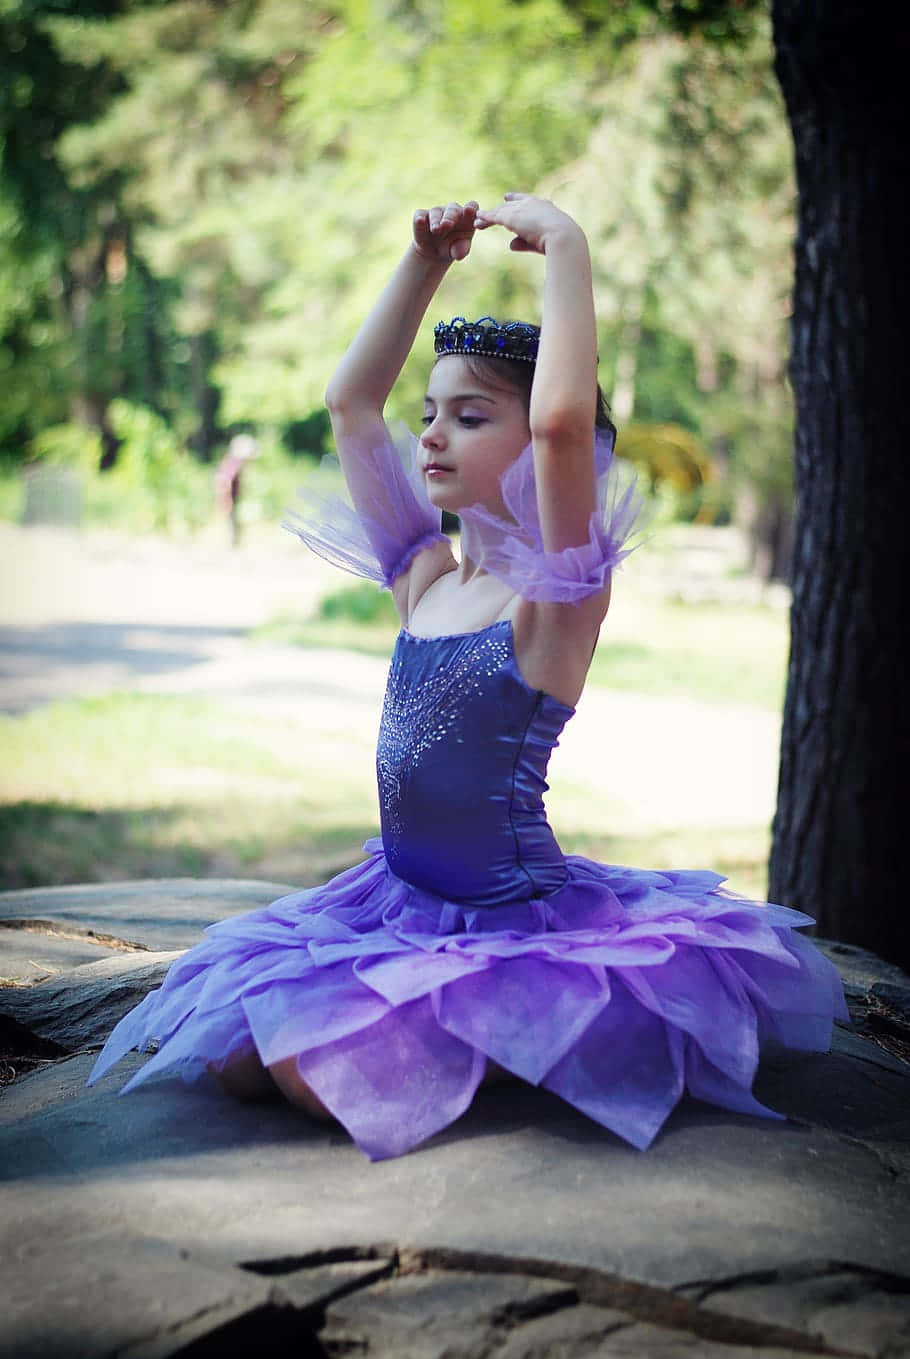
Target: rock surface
x=176, y=1222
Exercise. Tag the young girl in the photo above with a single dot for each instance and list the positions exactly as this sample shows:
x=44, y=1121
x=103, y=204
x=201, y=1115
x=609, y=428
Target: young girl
x=467, y=946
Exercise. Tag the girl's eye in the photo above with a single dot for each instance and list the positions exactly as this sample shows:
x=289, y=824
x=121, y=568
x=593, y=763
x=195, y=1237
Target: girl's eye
x=427, y=419
x=470, y=421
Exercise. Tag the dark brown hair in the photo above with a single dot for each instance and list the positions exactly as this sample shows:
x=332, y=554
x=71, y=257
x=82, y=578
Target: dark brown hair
x=519, y=376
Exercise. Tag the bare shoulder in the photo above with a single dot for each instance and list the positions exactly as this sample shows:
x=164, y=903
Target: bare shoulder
x=554, y=643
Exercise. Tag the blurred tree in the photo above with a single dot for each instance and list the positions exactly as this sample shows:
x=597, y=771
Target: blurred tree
x=77, y=327
x=251, y=136
x=234, y=142
x=197, y=118
x=686, y=190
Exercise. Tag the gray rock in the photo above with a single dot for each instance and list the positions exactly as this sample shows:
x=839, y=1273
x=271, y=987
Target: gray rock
x=317, y=1285
x=112, y=1292
x=79, y=1008
x=533, y=1229
x=164, y=913
x=571, y=1333
x=896, y=997
x=438, y=1314
x=862, y=1311
x=858, y=967
x=32, y=950
x=643, y=1341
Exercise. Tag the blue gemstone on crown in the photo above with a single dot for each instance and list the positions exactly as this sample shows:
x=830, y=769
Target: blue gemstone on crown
x=487, y=337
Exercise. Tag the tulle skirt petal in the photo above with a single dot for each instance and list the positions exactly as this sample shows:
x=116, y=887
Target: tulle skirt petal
x=619, y=993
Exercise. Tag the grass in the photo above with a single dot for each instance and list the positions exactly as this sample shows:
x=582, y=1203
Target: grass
x=740, y=855
x=137, y=785
x=710, y=652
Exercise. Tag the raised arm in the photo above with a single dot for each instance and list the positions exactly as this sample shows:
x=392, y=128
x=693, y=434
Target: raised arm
x=396, y=516
x=360, y=385
x=564, y=394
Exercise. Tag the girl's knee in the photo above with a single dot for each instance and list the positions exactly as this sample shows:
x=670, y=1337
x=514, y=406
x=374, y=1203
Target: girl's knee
x=295, y=1089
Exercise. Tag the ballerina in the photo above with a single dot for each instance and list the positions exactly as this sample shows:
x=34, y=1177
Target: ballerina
x=467, y=947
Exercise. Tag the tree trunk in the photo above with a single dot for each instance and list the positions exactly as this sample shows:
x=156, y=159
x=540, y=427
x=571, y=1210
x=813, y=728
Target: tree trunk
x=842, y=801
x=206, y=396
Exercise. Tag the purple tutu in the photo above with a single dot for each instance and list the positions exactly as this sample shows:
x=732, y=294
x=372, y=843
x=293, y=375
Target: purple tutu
x=618, y=992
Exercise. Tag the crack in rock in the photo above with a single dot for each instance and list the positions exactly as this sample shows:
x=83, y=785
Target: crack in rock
x=63, y=930
x=440, y=1303
x=865, y=1310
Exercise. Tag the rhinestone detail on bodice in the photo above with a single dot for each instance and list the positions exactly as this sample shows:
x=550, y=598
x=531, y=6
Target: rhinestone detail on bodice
x=462, y=756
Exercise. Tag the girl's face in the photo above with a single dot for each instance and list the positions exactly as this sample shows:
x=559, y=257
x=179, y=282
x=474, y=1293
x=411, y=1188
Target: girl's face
x=472, y=432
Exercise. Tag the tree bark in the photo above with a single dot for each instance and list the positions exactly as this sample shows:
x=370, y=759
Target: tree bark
x=842, y=812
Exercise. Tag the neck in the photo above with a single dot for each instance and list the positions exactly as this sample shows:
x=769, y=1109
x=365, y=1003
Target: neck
x=471, y=546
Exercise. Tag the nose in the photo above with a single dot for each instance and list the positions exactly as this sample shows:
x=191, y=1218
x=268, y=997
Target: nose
x=432, y=436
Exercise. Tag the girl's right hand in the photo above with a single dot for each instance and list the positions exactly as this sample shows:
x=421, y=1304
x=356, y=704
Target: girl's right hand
x=444, y=234
x=533, y=221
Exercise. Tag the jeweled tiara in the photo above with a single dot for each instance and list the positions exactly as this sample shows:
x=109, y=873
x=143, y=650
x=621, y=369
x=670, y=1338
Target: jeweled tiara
x=489, y=339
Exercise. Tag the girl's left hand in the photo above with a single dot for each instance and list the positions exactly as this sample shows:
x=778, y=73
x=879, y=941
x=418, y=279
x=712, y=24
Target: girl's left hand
x=534, y=221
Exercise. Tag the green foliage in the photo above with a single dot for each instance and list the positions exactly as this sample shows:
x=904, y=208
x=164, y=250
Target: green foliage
x=222, y=190
x=47, y=217
x=361, y=603
x=692, y=258
x=34, y=351
x=271, y=482
x=358, y=617
x=67, y=445
x=12, y=493
x=154, y=486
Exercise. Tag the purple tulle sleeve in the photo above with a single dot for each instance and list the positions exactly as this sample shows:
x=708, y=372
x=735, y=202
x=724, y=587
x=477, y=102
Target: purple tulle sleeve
x=515, y=552
x=394, y=520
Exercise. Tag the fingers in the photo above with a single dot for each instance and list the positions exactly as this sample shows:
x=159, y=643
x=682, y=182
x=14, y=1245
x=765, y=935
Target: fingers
x=445, y=232
x=452, y=216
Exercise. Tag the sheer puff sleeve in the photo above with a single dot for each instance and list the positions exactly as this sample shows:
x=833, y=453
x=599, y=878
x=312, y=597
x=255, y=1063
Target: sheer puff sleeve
x=514, y=551
x=394, y=522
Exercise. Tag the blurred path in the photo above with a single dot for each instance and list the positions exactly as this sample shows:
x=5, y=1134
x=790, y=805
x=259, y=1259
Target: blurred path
x=93, y=613
x=97, y=613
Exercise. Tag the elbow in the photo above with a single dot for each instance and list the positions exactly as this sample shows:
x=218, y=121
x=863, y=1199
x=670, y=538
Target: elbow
x=343, y=403
x=336, y=399
x=570, y=424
